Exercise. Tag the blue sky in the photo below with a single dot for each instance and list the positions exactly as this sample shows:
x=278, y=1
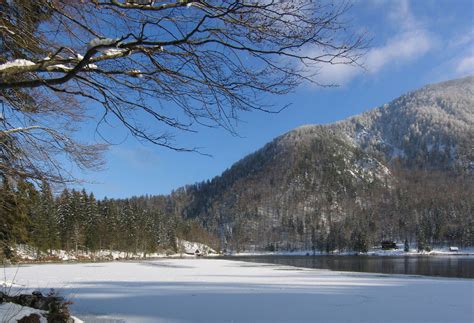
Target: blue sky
x=413, y=43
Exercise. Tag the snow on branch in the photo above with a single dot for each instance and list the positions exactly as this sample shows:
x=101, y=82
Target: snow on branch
x=115, y=52
x=104, y=45
x=103, y=42
x=148, y=4
x=22, y=129
x=17, y=65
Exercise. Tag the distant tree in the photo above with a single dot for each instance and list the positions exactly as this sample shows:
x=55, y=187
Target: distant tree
x=360, y=240
x=422, y=240
x=313, y=240
x=91, y=223
x=49, y=212
x=38, y=228
x=331, y=239
x=63, y=212
x=406, y=247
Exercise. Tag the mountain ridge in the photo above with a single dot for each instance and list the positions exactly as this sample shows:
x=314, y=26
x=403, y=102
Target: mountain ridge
x=318, y=179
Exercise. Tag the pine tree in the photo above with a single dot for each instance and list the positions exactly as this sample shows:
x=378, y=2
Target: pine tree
x=90, y=222
x=13, y=220
x=407, y=246
x=42, y=229
x=63, y=211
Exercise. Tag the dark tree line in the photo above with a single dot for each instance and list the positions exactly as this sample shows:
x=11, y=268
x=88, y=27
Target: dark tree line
x=426, y=209
x=75, y=221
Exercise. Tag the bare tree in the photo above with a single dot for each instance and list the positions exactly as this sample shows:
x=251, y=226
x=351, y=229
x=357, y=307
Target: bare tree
x=181, y=63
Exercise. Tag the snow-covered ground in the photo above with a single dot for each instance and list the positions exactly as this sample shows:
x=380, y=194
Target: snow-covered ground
x=26, y=253
x=10, y=312
x=195, y=248
x=214, y=290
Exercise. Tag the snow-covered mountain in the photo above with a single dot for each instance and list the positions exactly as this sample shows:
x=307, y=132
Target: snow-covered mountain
x=430, y=127
x=319, y=180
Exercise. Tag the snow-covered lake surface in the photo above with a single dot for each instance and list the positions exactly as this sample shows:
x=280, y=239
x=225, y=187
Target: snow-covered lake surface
x=214, y=290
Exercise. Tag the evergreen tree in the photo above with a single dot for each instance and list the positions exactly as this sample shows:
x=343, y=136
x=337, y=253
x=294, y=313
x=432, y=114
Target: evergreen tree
x=13, y=220
x=44, y=233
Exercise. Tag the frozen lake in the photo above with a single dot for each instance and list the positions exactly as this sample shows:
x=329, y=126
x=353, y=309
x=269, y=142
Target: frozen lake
x=440, y=266
x=216, y=290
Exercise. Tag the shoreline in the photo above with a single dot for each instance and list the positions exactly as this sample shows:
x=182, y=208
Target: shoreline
x=345, y=254
x=243, y=254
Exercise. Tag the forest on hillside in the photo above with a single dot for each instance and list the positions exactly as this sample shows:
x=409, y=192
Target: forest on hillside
x=425, y=208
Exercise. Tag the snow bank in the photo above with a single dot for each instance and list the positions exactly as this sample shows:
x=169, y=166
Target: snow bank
x=27, y=253
x=434, y=252
x=10, y=312
x=195, y=248
x=185, y=248
x=214, y=290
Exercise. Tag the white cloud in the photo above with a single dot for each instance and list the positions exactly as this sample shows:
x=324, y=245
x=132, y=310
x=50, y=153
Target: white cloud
x=401, y=48
x=465, y=66
x=337, y=74
x=463, y=47
x=410, y=42
x=457, y=58
x=401, y=15
x=463, y=39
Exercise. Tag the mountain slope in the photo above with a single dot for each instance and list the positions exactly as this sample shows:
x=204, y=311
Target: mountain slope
x=324, y=186
x=430, y=127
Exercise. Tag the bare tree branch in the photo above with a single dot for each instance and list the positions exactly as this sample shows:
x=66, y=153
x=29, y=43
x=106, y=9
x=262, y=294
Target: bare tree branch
x=157, y=67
